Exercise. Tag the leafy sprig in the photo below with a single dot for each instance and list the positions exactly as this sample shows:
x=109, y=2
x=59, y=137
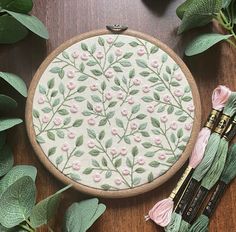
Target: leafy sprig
x=15, y=21
x=197, y=13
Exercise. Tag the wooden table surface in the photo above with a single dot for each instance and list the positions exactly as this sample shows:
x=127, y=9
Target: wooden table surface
x=65, y=19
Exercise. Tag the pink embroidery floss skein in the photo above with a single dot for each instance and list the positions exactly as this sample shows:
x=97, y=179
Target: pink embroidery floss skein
x=162, y=210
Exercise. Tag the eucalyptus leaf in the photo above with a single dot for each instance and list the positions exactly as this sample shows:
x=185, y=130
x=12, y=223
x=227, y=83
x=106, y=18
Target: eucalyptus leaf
x=6, y=159
x=16, y=82
x=199, y=14
x=11, y=31
x=17, y=202
x=15, y=174
x=203, y=42
x=7, y=102
x=43, y=212
x=183, y=8
x=20, y=6
x=30, y=22
x=7, y=123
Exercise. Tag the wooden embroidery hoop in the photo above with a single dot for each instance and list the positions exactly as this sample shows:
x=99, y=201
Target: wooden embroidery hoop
x=118, y=193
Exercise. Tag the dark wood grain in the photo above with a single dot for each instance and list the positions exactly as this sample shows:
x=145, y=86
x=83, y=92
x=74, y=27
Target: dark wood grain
x=65, y=19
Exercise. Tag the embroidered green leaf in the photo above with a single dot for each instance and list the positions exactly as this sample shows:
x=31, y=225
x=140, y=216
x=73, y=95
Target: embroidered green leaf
x=105, y=187
x=91, y=63
x=112, y=104
x=103, y=85
x=96, y=72
x=142, y=126
x=95, y=163
x=118, y=163
x=203, y=42
x=91, y=133
x=135, y=109
x=172, y=138
x=119, y=44
x=147, y=145
x=149, y=154
x=131, y=73
x=111, y=58
x=170, y=109
x=96, y=98
x=154, y=164
x=119, y=123
x=141, y=63
x=127, y=140
x=164, y=57
x=145, y=73
x=128, y=162
x=94, y=152
x=50, y=135
x=104, y=162
x=108, y=143
x=102, y=122
x=139, y=170
x=63, y=112
x=51, y=83
x=182, y=118
x=81, y=89
x=150, y=177
x=141, y=116
x=84, y=47
x=134, y=151
x=145, y=134
x=79, y=141
x=128, y=55
x=133, y=44
x=42, y=89
x=125, y=63
x=180, y=133
x=67, y=121
x=134, y=91
x=59, y=160
x=154, y=49
x=88, y=171
x=101, y=41
x=155, y=122
x=101, y=135
x=82, y=78
x=46, y=109
x=89, y=106
x=79, y=98
x=136, y=180
x=117, y=69
x=52, y=151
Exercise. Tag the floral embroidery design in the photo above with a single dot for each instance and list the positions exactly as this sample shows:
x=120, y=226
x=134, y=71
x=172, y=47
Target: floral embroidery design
x=113, y=112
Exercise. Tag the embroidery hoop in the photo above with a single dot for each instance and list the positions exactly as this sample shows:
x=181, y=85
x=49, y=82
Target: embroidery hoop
x=118, y=193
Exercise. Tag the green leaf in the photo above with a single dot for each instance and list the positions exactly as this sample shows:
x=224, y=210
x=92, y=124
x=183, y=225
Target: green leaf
x=150, y=177
x=134, y=151
x=94, y=152
x=135, y=109
x=8, y=123
x=52, y=151
x=141, y=116
x=200, y=13
x=155, y=122
x=136, y=180
x=43, y=212
x=30, y=22
x=96, y=72
x=108, y=143
x=154, y=49
x=79, y=141
x=7, y=102
x=17, y=202
x=20, y=6
x=119, y=123
x=88, y=171
x=119, y=44
x=203, y=42
x=77, y=123
x=133, y=44
x=50, y=135
x=141, y=63
x=180, y=133
x=182, y=118
x=172, y=138
x=101, y=41
x=117, y=163
x=16, y=82
x=6, y=159
x=127, y=55
x=63, y=112
x=11, y=30
x=147, y=145
x=131, y=73
x=139, y=170
x=81, y=89
x=102, y=122
x=183, y=8
x=125, y=63
x=91, y=133
x=117, y=69
x=84, y=47
x=96, y=98
x=142, y=126
x=15, y=174
x=154, y=164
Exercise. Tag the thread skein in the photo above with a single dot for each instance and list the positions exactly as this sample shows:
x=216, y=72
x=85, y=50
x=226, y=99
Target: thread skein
x=203, y=167
x=161, y=212
x=228, y=174
x=210, y=178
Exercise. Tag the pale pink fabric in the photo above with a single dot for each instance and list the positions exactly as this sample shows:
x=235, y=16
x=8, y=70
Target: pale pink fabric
x=161, y=212
x=220, y=96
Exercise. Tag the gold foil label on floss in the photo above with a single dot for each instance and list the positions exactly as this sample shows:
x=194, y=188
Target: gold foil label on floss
x=212, y=118
x=180, y=182
x=230, y=131
x=224, y=120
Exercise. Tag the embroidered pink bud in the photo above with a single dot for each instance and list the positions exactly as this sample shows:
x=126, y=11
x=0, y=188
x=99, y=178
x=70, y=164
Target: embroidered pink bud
x=99, y=55
x=126, y=171
x=157, y=140
x=57, y=121
x=178, y=93
x=98, y=108
x=109, y=73
x=71, y=135
x=113, y=151
x=120, y=95
x=155, y=64
x=118, y=181
x=75, y=54
x=130, y=100
x=133, y=126
x=166, y=98
x=141, y=160
x=178, y=77
x=150, y=108
x=190, y=108
x=137, y=138
x=164, y=119
x=97, y=177
x=71, y=73
x=108, y=96
x=146, y=89
x=84, y=56
x=41, y=99
x=141, y=51
x=65, y=147
x=188, y=126
x=71, y=85
x=73, y=109
x=76, y=166
x=110, y=40
x=173, y=125
x=162, y=156
x=136, y=82
x=45, y=119
x=114, y=131
x=93, y=87
x=91, y=144
x=118, y=52
x=124, y=112
x=123, y=151
x=91, y=121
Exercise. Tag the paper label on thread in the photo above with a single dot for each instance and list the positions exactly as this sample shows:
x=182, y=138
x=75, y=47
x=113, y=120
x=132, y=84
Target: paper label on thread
x=212, y=118
x=230, y=131
x=224, y=120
